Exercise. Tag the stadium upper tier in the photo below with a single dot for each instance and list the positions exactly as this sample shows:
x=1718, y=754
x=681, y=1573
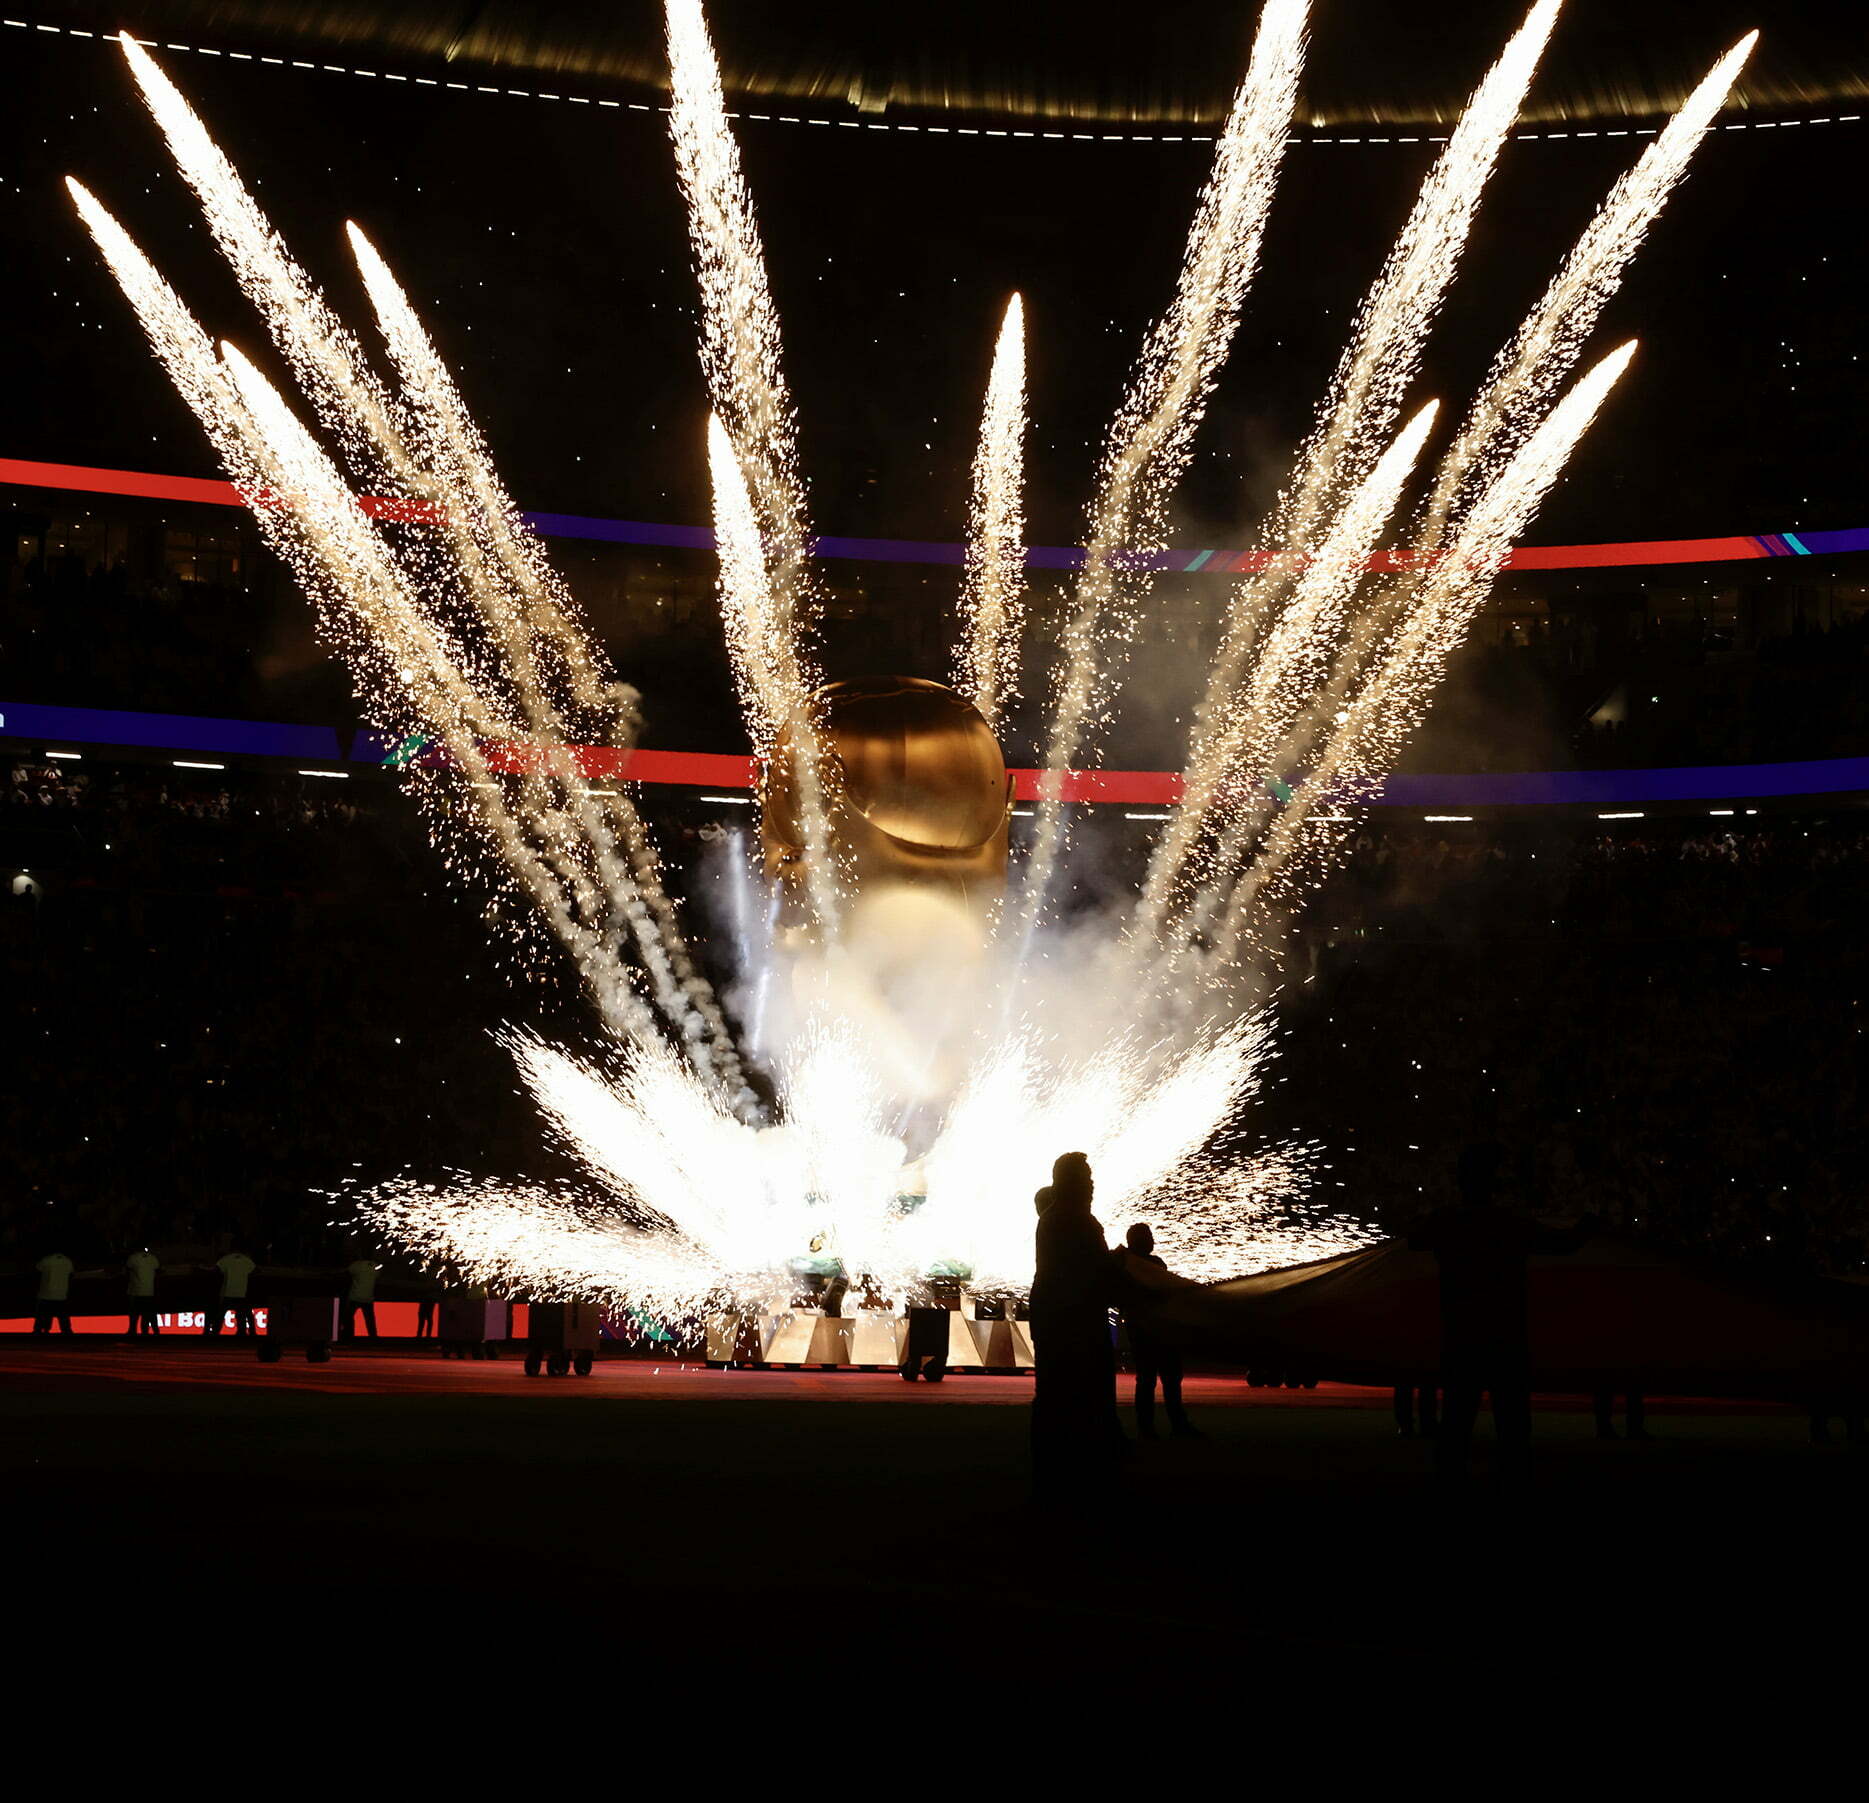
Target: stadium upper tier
x=1741, y=547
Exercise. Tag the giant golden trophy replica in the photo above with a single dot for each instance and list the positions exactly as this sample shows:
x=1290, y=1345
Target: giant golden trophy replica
x=917, y=803
x=917, y=799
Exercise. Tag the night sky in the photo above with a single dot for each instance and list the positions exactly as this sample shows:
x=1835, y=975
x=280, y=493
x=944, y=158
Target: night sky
x=545, y=242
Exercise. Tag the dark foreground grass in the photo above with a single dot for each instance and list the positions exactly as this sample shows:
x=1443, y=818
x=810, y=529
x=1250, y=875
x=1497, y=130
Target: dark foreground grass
x=718, y=1535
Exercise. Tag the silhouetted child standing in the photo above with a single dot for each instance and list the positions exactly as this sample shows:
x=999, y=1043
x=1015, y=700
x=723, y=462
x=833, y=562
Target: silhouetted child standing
x=1157, y=1361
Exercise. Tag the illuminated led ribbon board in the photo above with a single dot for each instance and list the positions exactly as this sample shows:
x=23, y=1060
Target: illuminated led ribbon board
x=39, y=725
x=80, y=479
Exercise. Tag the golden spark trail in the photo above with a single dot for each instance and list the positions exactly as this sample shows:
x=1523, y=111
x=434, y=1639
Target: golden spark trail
x=1390, y=704
x=538, y=629
x=272, y=483
x=1546, y=347
x=767, y=662
x=367, y=421
x=325, y=358
x=372, y=427
x=693, y=1195
x=740, y=357
x=346, y=554
x=404, y=649
x=992, y=606
x=528, y=610
x=1294, y=659
x=493, y=567
x=740, y=336
x=1365, y=393
x=1525, y=376
x=1151, y=438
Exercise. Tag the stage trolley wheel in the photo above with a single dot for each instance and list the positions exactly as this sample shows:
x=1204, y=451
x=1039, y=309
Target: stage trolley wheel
x=558, y=1364
x=532, y=1364
x=583, y=1362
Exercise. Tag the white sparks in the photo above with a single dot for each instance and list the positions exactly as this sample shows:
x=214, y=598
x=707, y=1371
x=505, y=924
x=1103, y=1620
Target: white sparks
x=992, y=606
x=921, y=1074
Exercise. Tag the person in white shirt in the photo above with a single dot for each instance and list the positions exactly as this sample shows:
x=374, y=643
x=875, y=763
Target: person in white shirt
x=139, y=1291
x=235, y=1268
x=52, y=1299
x=359, y=1298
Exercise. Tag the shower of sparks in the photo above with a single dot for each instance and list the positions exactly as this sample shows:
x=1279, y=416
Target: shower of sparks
x=1516, y=397
x=684, y=1209
x=455, y=628
x=740, y=343
x=1152, y=436
x=1546, y=347
x=740, y=357
x=1358, y=410
x=1294, y=658
x=898, y=1142
x=768, y=667
x=992, y=606
x=1371, y=730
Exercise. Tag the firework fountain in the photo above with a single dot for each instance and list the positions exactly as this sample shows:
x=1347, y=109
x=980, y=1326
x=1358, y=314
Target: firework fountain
x=917, y=1100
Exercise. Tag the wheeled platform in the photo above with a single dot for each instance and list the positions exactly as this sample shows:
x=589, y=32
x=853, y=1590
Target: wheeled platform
x=472, y=1326
x=562, y=1337
x=308, y=1321
x=790, y=1337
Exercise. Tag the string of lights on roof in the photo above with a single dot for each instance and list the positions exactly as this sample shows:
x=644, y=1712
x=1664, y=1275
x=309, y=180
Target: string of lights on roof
x=921, y=130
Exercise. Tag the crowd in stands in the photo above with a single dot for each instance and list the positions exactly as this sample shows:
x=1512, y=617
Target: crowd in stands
x=1796, y=694
x=1696, y=1099
x=186, y=613
x=1664, y=1021
x=229, y=993
x=1758, y=884
x=225, y=997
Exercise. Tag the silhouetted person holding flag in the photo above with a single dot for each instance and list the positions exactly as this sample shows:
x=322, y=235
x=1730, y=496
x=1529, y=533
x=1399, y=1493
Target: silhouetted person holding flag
x=1157, y=1361
x=1481, y=1249
x=1076, y=1438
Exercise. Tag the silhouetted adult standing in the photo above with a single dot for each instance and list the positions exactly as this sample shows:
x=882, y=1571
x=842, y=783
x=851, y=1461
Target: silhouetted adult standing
x=52, y=1297
x=1481, y=1249
x=359, y=1298
x=236, y=1271
x=1076, y=1437
x=1157, y=1360
x=1417, y=1410
x=1603, y=1406
x=139, y=1291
